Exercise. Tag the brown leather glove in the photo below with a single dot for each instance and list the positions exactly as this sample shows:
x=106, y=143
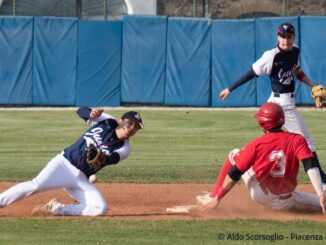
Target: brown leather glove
x=95, y=157
x=318, y=94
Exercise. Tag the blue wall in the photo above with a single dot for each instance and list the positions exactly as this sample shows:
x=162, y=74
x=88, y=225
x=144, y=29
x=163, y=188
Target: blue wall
x=146, y=59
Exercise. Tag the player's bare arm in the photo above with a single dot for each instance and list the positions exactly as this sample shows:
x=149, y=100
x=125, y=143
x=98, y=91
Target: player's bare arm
x=96, y=112
x=224, y=93
x=303, y=77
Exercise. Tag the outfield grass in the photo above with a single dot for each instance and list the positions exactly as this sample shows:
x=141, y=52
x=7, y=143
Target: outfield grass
x=175, y=147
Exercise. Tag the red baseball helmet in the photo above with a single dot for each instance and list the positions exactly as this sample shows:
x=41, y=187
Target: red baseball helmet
x=270, y=115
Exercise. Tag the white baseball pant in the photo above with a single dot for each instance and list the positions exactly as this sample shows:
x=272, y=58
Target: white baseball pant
x=60, y=173
x=293, y=120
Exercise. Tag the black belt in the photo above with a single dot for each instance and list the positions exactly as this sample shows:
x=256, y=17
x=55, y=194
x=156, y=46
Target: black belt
x=279, y=95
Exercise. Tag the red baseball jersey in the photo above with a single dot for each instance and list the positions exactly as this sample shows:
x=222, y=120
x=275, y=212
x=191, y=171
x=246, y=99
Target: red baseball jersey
x=274, y=158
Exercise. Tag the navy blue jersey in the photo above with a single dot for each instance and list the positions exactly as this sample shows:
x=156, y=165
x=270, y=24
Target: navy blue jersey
x=281, y=67
x=102, y=135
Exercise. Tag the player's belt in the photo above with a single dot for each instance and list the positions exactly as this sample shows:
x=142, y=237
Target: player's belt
x=291, y=95
x=284, y=196
x=280, y=196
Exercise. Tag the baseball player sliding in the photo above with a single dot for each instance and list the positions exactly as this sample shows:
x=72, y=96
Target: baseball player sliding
x=104, y=143
x=269, y=166
x=282, y=65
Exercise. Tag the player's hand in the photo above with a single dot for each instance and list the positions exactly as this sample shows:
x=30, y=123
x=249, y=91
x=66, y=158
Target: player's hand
x=224, y=93
x=210, y=206
x=96, y=112
x=322, y=201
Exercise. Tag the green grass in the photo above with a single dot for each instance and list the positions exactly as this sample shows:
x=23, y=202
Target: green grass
x=176, y=146
x=98, y=231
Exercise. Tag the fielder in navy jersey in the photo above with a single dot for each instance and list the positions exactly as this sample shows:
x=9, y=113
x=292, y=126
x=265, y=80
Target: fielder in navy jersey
x=282, y=65
x=70, y=169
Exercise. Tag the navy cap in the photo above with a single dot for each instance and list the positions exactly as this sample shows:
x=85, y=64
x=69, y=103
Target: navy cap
x=133, y=115
x=285, y=29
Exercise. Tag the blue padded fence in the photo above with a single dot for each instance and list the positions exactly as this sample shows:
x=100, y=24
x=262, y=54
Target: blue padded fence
x=146, y=59
x=99, y=63
x=143, y=59
x=55, y=64
x=188, y=62
x=16, y=60
x=233, y=52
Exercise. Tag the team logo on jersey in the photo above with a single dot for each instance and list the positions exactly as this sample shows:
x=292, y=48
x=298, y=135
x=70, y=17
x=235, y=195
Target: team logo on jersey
x=94, y=137
x=286, y=77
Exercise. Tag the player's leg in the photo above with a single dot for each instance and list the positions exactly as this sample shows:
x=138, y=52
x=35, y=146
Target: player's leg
x=255, y=191
x=54, y=175
x=294, y=123
x=90, y=201
x=77, y=185
x=304, y=201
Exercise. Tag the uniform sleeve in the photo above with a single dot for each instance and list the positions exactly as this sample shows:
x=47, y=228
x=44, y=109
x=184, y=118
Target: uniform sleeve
x=124, y=151
x=264, y=65
x=104, y=116
x=244, y=159
x=302, y=149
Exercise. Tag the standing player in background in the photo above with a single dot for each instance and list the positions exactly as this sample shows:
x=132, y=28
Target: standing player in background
x=269, y=167
x=282, y=65
x=104, y=143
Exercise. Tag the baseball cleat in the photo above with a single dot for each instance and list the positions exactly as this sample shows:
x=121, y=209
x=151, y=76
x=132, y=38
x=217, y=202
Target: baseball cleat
x=45, y=209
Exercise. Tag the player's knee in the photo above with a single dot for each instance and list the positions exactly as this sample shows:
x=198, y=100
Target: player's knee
x=232, y=154
x=100, y=210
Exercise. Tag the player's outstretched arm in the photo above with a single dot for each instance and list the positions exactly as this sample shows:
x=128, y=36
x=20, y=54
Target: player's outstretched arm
x=242, y=80
x=311, y=167
x=215, y=201
x=304, y=78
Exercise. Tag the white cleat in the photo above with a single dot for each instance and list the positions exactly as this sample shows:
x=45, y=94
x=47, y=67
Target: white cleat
x=45, y=209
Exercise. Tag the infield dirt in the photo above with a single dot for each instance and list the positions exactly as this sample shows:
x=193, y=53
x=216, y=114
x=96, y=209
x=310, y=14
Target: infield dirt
x=149, y=201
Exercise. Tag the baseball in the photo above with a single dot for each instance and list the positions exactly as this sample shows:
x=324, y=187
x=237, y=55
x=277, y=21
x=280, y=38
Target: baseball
x=93, y=178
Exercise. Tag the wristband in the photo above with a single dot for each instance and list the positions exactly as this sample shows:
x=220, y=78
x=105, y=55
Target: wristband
x=301, y=75
x=221, y=192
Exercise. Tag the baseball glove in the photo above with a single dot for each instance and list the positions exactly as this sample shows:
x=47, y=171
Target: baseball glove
x=95, y=157
x=318, y=94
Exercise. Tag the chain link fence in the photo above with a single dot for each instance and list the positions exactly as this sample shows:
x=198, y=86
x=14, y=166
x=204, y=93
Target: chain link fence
x=114, y=9
x=84, y=9
x=240, y=8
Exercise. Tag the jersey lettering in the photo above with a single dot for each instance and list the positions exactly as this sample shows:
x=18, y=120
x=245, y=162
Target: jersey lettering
x=277, y=158
x=95, y=133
